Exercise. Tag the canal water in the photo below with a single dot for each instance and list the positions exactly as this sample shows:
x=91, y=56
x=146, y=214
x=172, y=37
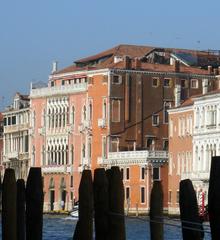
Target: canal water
x=62, y=228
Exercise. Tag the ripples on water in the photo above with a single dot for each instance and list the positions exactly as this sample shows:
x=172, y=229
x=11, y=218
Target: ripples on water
x=62, y=228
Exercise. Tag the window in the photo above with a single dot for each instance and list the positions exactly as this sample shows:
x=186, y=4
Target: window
x=155, y=120
x=13, y=120
x=177, y=196
x=63, y=82
x=150, y=143
x=104, y=147
x=194, y=83
x=115, y=110
x=165, y=145
x=170, y=196
x=73, y=115
x=116, y=79
x=142, y=194
x=52, y=83
x=122, y=173
x=5, y=121
x=71, y=181
x=127, y=173
x=127, y=193
x=83, y=151
x=167, y=82
x=114, y=144
x=167, y=105
x=90, y=111
x=104, y=109
x=84, y=113
x=9, y=120
x=155, y=82
x=183, y=83
x=142, y=173
x=156, y=173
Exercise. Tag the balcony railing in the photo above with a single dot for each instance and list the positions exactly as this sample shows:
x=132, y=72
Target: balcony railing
x=58, y=90
x=134, y=157
x=203, y=176
x=56, y=169
x=16, y=128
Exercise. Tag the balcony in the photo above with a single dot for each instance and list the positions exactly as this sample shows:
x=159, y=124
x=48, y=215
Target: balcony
x=86, y=124
x=56, y=169
x=58, y=90
x=102, y=122
x=12, y=155
x=16, y=128
x=196, y=176
x=134, y=158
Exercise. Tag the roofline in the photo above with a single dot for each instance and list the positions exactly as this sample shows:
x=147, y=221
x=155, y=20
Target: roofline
x=180, y=109
x=104, y=70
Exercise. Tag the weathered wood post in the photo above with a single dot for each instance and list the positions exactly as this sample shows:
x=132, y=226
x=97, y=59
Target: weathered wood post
x=214, y=198
x=156, y=211
x=189, y=214
x=84, y=228
x=20, y=209
x=9, y=211
x=116, y=205
x=34, y=205
x=101, y=204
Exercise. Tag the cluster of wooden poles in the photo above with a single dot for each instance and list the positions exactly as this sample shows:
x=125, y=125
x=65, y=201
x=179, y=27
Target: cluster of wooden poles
x=101, y=204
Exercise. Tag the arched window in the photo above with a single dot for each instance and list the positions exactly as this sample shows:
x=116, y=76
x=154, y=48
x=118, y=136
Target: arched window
x=84, y=113
x=90, y=111
x=51, y=185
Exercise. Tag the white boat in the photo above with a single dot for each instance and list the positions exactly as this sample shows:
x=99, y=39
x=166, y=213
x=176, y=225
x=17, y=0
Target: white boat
x=75, y=212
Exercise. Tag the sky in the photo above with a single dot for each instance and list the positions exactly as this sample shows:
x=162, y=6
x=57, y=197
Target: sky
x=33, y=34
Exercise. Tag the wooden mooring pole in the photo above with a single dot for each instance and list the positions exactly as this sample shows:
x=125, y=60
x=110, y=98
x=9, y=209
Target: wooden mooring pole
x=101, y=204
x=84, y=227
x=116, y=205
x=189, y=214
x=9, y=211
x=34, y=205
x=156, y=212
x=214, y=198
x=20, y=209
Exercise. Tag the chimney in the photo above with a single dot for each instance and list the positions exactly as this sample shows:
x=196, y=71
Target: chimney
x=137, y=63
x=127, y=62
x=177, y=93
x=210, y=69
x=54, y=66
x=205, y=83
x=215, y=71
x=176, y=65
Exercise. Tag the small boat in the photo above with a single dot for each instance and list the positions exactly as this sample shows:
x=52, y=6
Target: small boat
x=75, y=212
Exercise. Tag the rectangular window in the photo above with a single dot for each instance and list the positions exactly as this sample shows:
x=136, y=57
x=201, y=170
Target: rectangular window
x=177, y=196
x=127, y=173
x=142, y=194
x=170, y=196
x=104, y=147
x=194, y=83
x=9, y=120
x=183, y=83
x=155, y=82
x=52, y=83
x=166, y=106
x=116, y=110
x=71, y=181
x=63, y=82
x=142, y=173
x=127, y=193
x=156, y=173
x=155, y=120
x=150, y=143
x=114, y=144
x=165, y=145
x=13, y=120
x=5, y=121
x=26, y=145
x=122, y=173
x=116, y=79
x=167, y=82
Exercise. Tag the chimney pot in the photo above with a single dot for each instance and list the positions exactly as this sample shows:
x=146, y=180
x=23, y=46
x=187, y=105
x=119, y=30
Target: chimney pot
x=54, y=66
x=176, y=65
x=137, y=63
x=127, y=62
x=210, y=69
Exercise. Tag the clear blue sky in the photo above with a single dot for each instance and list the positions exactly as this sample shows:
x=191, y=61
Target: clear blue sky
x=34, y=33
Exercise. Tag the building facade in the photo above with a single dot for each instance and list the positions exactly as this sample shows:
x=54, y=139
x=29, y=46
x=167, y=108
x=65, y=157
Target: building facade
x=119, y=99
x=16, y=134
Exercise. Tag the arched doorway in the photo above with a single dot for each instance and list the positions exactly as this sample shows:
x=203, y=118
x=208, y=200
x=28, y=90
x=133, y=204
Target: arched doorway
x=62, y=194
x=52, y=194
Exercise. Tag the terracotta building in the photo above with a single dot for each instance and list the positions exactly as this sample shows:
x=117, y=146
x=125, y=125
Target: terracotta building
x=111, y=109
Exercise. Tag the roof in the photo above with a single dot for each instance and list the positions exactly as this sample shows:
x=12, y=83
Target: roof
x=105, y=59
